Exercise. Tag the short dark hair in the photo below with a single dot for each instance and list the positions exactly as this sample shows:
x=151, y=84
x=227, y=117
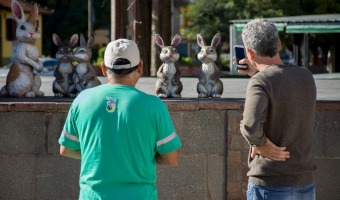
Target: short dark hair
x=122, y=61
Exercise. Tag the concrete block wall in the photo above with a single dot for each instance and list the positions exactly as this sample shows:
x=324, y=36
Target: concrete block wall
x=326, y=150
x=213, y=159
x=327, y=153
x=200, y=174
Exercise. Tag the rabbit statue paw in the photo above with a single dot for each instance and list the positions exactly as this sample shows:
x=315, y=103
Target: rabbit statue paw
x=168, y=84
x=209, y=84
x=40, y=65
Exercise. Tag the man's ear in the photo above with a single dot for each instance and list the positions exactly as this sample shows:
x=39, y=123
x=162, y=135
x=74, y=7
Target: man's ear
x=250, y=53
x=140, y=67
x=279, y=46
x=103, y=69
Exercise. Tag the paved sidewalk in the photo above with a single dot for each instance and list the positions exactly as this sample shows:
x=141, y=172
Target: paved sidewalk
x=328, y=86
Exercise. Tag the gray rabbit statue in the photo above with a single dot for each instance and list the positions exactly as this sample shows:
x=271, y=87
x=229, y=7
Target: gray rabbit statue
x=65, y=70
x=22, y=81
x=209, y=84
x=168, y=84
x=85, y=76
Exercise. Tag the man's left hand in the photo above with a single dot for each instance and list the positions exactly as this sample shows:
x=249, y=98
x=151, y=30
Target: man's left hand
x=271, y=151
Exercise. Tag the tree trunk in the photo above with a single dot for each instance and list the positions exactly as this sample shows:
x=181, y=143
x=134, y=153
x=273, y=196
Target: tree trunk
x=151, y=17
x=160, y=24
x=143, y=33
x=117, y=17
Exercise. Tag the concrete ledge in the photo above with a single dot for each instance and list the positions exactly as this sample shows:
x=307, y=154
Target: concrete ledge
x=33, y=106
x=181, y=104
x=328, y=105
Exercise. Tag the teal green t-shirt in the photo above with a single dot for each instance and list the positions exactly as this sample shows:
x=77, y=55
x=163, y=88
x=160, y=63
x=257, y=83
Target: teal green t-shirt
x=118, y=130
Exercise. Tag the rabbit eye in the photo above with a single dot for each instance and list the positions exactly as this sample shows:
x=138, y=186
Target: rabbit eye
x=36, y=29
x=165, y=51
x=22, y=27
x=211, y=51
x=175, y=51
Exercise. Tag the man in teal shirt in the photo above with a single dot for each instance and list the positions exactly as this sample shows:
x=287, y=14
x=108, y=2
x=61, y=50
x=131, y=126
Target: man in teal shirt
x=119, y=132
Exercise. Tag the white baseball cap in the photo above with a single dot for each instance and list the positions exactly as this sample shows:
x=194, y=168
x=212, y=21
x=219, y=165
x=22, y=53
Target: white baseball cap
x=121, y=48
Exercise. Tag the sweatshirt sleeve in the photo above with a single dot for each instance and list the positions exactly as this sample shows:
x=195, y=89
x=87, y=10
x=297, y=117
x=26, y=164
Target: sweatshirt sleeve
x=255, y=107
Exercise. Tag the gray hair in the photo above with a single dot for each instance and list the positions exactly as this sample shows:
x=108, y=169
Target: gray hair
x=262, y=37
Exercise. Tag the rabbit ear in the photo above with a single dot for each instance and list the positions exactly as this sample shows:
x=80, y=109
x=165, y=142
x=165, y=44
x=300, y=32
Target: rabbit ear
x=32, y=18
x=17, y=11
x=82, y=40
x=200, y=40
x=159, y=40
x=56, y=40
x=90, y=41
x=73, y=40
x=216, y=40
x=176, y=40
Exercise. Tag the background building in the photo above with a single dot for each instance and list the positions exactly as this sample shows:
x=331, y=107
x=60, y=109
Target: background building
x=303, y=41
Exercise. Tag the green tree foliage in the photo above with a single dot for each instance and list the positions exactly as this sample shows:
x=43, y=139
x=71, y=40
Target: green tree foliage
x=245, y=9
x=309, y=7
x=206, y=18
x=209, y=17
x=69, y=17
x=212, y=16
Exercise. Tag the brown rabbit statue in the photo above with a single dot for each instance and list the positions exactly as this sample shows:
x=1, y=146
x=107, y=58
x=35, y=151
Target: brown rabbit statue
x=21, y=79
x=168, y=84
x=65, y=69
x=209, y=84
x=85, y=76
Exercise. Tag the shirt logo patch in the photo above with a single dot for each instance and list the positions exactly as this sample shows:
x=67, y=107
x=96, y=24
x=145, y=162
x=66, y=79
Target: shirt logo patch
x=111, y=104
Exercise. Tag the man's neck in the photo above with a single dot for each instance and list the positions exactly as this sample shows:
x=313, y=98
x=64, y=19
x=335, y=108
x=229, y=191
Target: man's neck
x=121, y=82
x=263, y=62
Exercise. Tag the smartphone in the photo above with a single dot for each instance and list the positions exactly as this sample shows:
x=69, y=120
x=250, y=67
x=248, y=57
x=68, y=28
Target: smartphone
x=240, y=53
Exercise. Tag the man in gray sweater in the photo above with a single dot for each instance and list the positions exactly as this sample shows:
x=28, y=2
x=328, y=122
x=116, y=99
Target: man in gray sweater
x=278, y=119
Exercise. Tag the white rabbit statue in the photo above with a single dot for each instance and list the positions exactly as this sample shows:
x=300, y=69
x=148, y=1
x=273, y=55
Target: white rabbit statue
x=168, y=83
x=65, y=69
x=21, y=80
x=209, y=84
x=85, y=76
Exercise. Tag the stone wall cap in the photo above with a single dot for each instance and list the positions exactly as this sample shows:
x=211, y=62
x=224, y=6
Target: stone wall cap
x=47, y=104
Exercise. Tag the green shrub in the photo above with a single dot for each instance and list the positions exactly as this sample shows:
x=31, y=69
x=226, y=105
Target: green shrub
x=185, y=60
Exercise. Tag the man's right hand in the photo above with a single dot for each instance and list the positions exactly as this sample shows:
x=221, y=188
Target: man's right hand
x=250, y=71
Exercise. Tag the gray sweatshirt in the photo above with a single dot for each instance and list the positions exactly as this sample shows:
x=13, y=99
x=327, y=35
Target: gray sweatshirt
x=280, y=105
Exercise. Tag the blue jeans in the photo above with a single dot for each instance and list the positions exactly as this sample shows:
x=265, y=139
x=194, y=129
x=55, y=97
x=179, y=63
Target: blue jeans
x=258, y=192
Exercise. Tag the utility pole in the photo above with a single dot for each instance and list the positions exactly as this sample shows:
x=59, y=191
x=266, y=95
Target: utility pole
x=90, y=17
x=143, y=33
x=113, y=20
